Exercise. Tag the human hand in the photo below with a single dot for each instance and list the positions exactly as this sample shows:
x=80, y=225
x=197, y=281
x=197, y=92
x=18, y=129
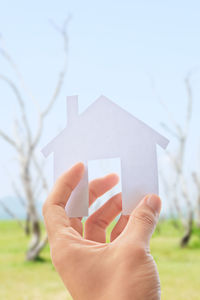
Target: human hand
x=89, y=267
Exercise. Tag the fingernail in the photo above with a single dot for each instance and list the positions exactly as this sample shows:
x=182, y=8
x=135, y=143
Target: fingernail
x=154, y=202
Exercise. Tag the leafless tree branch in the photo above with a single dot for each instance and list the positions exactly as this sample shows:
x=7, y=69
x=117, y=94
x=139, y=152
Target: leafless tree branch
x=63, y=32
x=18, y=194
x=4, y=52
x=40, y=178
x=21, y=104
x=8, y=139
x=169, y=130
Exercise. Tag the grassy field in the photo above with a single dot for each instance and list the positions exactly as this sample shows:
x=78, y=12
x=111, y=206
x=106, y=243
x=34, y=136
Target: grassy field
x=19, y=280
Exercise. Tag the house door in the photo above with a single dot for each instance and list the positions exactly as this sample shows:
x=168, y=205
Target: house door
x=100, y=168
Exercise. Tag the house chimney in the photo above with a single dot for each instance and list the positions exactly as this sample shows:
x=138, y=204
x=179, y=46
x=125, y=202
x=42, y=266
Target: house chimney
x=72, y=109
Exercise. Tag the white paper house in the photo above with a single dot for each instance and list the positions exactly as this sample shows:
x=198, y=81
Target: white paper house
x=105, y=130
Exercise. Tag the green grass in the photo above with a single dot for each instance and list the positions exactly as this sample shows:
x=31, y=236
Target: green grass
x=179, y=268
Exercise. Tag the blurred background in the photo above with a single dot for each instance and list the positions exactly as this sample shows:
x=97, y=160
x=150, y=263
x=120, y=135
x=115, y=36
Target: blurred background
x=145, y=56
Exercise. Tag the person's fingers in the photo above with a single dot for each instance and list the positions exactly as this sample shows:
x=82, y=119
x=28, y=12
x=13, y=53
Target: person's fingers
x=100, y=186
x=96, y=224
x=143, y=220
x=55, y=217
x=65, y=184
x=119, y=227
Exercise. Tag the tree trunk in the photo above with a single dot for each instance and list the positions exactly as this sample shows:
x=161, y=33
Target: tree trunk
x=27, y=225
x=31, y=253
x=188, y=233
x=36, y=244
x=33, y=220
x=198, y=211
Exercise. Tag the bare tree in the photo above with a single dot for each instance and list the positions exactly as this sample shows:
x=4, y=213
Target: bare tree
x=196, y=178
x=179, y=187
x=25, y=141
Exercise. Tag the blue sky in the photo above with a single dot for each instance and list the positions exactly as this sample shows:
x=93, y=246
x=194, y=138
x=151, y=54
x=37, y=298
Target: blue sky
x=121, y=49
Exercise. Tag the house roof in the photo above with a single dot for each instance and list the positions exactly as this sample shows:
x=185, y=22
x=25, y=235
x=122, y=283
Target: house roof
x=103, y=104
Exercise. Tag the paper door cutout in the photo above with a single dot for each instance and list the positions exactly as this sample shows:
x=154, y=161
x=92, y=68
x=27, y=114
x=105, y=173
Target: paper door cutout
x=103, y=131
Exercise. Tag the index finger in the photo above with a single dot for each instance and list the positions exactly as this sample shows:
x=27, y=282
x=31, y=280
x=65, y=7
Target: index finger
x=54, y=207
x=65, y=184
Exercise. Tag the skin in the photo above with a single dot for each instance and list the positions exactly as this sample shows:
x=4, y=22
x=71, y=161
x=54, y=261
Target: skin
x=91, y=268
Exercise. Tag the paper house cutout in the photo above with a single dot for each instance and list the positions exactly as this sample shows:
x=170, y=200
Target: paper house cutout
x=105, y=130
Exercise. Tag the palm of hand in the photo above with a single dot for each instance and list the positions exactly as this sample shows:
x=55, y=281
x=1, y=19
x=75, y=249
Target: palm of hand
x=89, y=267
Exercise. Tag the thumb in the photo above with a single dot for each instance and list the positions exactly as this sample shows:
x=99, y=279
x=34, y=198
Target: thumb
x=143, y=219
